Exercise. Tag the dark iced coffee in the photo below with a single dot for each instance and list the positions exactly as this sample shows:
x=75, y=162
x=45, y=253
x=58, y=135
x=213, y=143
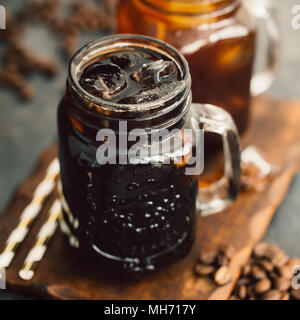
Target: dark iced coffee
x=134, y=217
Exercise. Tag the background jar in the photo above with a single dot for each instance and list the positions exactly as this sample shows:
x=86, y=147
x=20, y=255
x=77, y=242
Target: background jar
x=217, y=37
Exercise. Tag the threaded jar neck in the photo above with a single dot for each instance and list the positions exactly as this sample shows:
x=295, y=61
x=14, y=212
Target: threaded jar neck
x=95, y=113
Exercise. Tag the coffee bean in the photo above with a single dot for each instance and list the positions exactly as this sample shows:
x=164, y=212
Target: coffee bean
x=27, y=92
x=203, y=270
x=271, y=295
x=280, y=259
x=242, y=291
x=262, y=286
x=286, y=271
x=223, y=275
x=267, y=276
x=294, y=262
x=258, y=273
x=295, y=294
x=81, y=16
x=273, y=253
x=261, y=250
x=282, y=284
x=207, y=257
x=246, y=269
x=285, y=296
x=47, y=67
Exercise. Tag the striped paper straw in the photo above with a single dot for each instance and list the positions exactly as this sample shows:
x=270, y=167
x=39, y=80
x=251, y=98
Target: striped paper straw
x=73, y=221
x=29, y=214
x=38, y=250
x=66, y=230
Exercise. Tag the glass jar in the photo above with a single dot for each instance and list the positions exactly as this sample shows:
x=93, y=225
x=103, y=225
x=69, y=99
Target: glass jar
x=217, y=37
x=141, y=214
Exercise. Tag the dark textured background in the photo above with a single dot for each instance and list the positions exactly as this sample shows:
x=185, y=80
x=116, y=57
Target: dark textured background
x=26, y=128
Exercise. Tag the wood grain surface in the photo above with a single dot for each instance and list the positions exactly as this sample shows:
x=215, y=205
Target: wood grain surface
x=274, y=129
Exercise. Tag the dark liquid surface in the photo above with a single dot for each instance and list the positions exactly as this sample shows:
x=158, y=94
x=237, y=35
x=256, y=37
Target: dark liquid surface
x=130, y=77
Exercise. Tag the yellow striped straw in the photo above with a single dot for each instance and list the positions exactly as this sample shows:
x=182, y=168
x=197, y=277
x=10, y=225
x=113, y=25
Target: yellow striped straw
x=29, y=214
x=45, y=234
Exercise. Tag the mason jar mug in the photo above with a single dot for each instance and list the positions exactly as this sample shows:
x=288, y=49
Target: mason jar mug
x=130, y=165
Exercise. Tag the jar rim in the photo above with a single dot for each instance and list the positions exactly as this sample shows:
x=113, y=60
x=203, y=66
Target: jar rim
x=107, y=44
x=209, y=8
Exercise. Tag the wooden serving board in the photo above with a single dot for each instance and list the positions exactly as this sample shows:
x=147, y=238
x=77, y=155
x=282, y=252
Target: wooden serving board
x=275, y=129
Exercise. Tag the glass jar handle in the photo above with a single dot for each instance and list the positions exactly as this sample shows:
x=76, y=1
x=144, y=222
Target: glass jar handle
x=222, y=193
x=263, y=78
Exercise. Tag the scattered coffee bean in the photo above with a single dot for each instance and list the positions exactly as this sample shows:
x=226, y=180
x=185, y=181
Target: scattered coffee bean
x=286, y=271
x=203, y=270
x=242, y=291
x=293, y=262
x=258, y=273
x=272, y=295
x=262, y=286
x=82, y=16
x=222, y=276
x=285, y=296
x=215, y=265
x=280, y=259
x=274, y=254
x=282, y=284
x=268, y=275
x=261, y=250
x=27, y=92
x=246, y=269
x=207, y=257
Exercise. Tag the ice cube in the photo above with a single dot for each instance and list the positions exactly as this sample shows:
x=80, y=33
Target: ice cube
x=155, y=72
x=153, y=93
x=103, y=80
x=170, y=87
x=127, y=60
